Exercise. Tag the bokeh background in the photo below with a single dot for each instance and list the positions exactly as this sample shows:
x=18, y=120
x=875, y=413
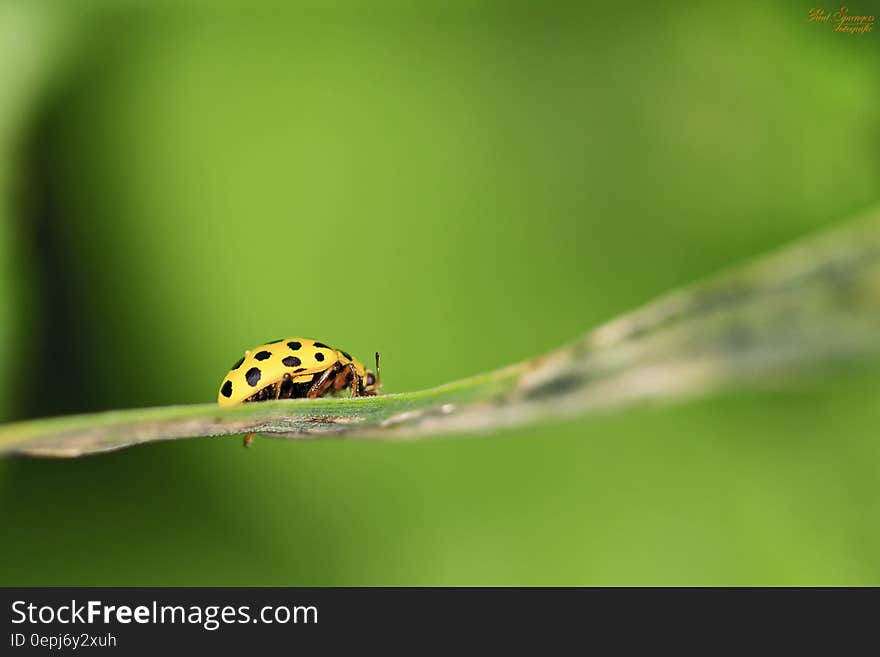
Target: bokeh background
x=459, y=185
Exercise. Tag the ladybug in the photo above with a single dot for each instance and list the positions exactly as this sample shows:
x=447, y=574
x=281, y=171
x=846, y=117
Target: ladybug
x=293, y=368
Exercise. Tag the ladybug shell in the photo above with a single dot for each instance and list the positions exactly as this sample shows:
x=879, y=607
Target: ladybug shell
x=266, y=365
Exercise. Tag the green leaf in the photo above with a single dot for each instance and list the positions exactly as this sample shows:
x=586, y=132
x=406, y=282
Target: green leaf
x=814, y=303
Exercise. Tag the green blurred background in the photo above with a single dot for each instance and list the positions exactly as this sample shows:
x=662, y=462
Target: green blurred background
x=458, y=185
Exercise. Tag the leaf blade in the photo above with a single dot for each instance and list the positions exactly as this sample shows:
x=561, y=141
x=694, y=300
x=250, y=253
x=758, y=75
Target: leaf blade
x=812, y=303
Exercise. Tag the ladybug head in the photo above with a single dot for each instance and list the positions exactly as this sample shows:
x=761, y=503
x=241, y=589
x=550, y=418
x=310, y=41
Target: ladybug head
x=371, y=380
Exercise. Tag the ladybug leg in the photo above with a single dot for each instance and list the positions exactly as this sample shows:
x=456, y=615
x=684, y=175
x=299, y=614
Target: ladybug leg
x=354, y=381
x=341, y=380
x=324, y=381
x=283, y=387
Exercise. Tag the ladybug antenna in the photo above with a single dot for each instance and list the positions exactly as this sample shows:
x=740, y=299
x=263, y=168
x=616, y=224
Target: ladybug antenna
x=377, y=368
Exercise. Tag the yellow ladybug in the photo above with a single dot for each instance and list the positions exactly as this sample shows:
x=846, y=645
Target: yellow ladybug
x=293, y=368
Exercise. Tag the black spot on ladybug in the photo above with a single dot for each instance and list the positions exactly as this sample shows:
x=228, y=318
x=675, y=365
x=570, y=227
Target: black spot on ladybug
x=292, y=361
x=346, y=355
x=299, y=369
x=275, y=341
x=237, y=363
x=321, y=345
x=263, y=355
x=226, y=390
x=294, y=345
x=253, y=376
x=319, y=356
